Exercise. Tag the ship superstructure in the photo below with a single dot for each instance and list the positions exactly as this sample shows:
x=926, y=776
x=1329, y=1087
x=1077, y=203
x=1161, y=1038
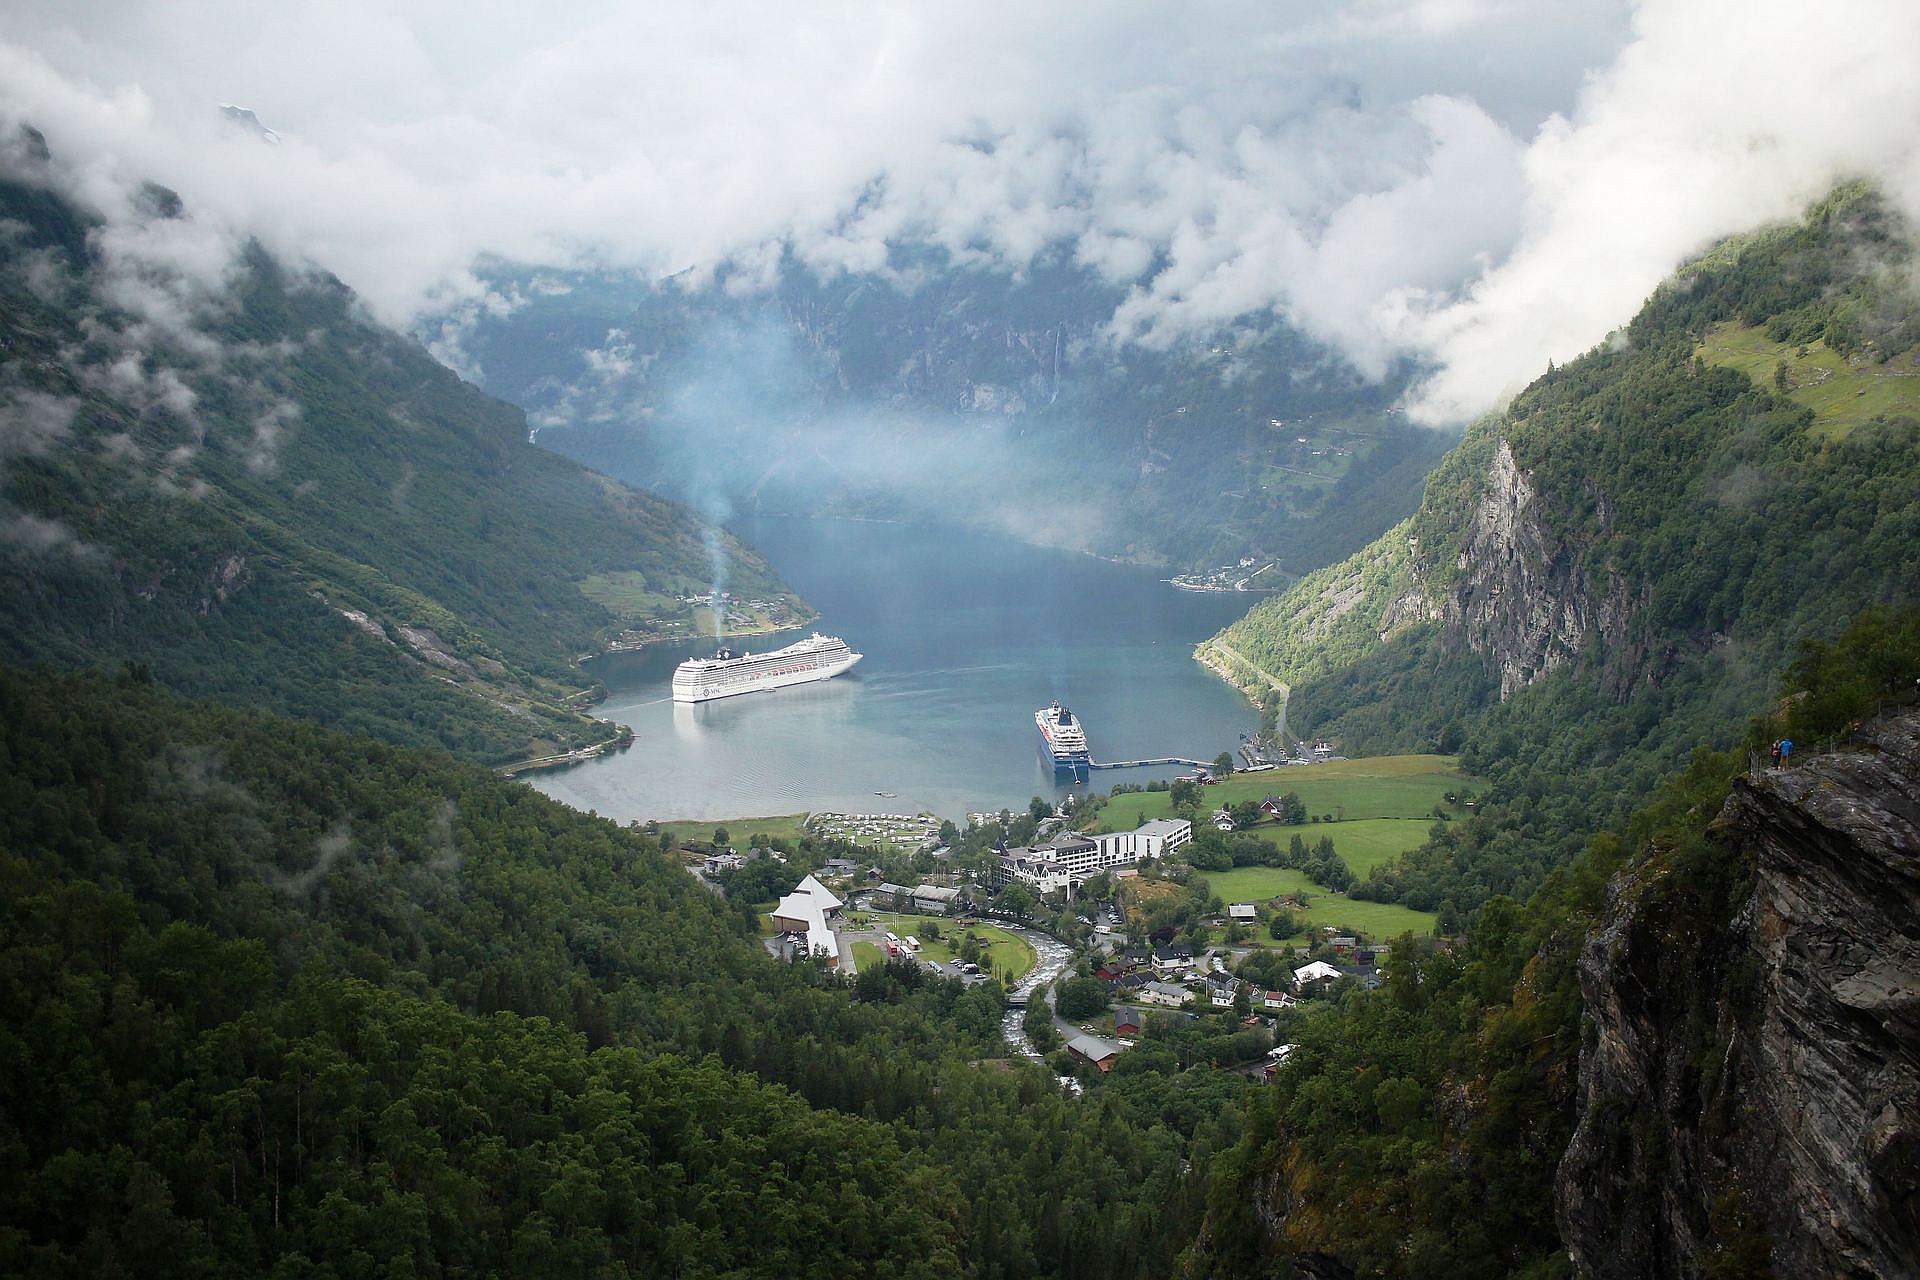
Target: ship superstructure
x=1064, y=738
x=726, y=673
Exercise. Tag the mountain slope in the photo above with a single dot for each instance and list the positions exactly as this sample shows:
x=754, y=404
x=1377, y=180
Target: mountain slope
x=936, y=390
x=264, y=496
x=1690, y=1054
x=276, y=999
x=1602, y=574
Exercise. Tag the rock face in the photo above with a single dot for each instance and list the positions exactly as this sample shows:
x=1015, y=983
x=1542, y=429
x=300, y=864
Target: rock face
x=1752, y=1092
x=1526, y=601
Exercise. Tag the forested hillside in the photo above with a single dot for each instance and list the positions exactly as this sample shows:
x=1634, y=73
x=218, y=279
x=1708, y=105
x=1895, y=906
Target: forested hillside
x=252, y=489
x=283, y=1000
x=1419, y=1130
x=1602, y=576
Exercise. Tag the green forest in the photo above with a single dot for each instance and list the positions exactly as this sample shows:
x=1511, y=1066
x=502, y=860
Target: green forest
x=1415, y=1131
x=282, y=1000
x=1719, y=517
x=275, y=501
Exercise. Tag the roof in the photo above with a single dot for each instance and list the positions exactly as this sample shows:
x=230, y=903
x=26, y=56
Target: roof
x=825, y=895
x=891, y=889
x=1124, y=1016
x=1173, y=953
x=1242, y=911
x=936, y=893
x=1315, y=972
x=1167, y=989
x=1164, y=827
x=805, y=910
x=1092, y=1048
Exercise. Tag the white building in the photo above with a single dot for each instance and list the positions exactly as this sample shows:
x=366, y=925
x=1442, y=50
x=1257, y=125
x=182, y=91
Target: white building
x=1163, y=993
x=1071, y=858
x=807, y=913
x=1242, y=911
x=1318, y=971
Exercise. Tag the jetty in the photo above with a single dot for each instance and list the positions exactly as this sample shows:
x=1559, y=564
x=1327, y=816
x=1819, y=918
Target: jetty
x=1148, y=764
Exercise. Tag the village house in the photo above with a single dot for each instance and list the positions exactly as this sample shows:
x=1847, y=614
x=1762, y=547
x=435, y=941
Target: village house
x=1162, y=993
x=1222, y=820
x=1245, y=911
x=1277, y=1000
x=1308, y=974
x=1172, y=959
x=1095, y=1050
x=1221, y=990
x=1128, y=1022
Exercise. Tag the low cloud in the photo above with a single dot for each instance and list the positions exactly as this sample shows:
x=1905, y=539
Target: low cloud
x=1476, y=184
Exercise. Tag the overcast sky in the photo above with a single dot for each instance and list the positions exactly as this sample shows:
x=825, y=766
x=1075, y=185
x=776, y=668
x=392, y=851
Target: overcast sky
x=1482, y=183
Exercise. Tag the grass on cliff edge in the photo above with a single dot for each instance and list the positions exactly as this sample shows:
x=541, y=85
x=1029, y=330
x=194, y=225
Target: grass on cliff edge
x=1843, y=394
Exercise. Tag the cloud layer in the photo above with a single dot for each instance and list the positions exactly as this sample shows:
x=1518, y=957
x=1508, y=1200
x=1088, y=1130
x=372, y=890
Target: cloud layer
x=1480, y=183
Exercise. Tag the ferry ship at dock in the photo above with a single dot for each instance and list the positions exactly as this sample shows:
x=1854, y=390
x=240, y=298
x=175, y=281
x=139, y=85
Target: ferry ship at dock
x=727, y=674
x=1063, y=738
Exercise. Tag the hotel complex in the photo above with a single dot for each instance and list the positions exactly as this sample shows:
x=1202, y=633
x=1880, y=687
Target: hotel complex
x=1071, y=857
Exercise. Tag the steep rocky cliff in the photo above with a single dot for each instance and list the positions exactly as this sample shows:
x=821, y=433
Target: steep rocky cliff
x=1750, y=1096
x=1527, y=599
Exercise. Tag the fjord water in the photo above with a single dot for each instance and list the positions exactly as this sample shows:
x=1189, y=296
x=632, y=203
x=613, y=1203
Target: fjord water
x=965, y=634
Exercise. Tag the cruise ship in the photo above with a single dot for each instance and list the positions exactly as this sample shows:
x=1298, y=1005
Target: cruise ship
x=1065, y=738
x=726, y=673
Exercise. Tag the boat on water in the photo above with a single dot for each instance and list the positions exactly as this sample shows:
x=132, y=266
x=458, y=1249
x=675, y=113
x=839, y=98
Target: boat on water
x=1063, y=738
x=727, y=674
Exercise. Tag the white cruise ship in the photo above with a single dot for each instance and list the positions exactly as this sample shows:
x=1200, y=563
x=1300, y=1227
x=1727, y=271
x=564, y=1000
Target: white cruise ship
x=726, y=673
x=1064, y=737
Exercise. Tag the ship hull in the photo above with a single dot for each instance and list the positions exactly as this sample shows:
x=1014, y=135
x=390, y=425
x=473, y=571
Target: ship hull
x=827, y=672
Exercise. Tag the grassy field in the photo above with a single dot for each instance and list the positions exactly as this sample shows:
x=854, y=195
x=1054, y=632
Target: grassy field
x=1257, y=884
x=1380, y=920
x=739, y=830
x=865, y=955
x=1376, y=787
x=630, y=595
x=1004, y=953
x=1841, y=395
x=1362, y=844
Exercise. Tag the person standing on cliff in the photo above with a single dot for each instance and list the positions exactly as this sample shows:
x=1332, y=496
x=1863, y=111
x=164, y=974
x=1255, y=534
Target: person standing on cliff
x=1774, y=752
x=1786, y=751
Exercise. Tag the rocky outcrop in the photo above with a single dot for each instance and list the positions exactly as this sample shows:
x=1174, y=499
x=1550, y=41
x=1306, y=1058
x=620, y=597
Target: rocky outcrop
x=1525, y=600
x=1751, y=1094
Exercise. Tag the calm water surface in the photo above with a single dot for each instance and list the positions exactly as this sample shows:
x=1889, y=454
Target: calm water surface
x=965, y=635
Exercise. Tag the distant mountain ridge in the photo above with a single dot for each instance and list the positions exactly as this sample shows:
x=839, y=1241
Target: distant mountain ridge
x=276, y=501
x=1607, y=570
x=946, y=391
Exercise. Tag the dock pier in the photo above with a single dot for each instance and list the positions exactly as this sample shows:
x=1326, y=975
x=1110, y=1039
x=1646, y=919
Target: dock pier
x=1148, y=764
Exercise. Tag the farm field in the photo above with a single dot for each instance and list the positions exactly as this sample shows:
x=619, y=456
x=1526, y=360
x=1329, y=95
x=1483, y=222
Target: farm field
x=739, y=830
x=1379, y=920
x=1374, y=787
x=1362, y=844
